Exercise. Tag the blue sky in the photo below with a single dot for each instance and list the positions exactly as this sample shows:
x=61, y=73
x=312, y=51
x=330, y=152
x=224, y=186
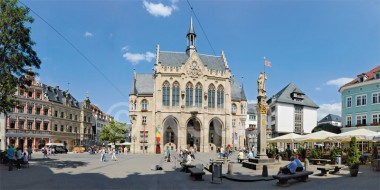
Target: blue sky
x=318, y=45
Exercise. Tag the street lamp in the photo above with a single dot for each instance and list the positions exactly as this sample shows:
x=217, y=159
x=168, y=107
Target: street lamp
x=134, y=143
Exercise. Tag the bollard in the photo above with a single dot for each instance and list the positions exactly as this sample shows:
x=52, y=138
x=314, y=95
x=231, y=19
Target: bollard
x=306, y=164
x=230, y=169
x=265, y=171
x=225, y=160
x=279, y=158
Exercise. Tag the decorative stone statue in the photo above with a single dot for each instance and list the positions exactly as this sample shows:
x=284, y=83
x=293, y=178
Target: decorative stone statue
x=261, y=92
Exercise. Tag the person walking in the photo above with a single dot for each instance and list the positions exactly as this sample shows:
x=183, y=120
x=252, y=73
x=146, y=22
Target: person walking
x=114, y=154
x=19, y=158
x=11, y=157
x=29, y=152
x=168, y=154
x=45, y=152
x=103, y=155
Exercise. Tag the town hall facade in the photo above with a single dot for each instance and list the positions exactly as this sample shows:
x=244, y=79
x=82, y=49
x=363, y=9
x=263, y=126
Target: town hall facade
x=190, y=100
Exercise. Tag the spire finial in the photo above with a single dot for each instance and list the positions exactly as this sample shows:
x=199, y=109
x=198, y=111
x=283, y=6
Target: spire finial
x=191, y=45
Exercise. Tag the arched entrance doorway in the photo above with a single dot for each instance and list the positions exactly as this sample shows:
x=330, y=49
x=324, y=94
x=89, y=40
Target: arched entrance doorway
x=193, y=134
x=215, y=133
x=170, y=133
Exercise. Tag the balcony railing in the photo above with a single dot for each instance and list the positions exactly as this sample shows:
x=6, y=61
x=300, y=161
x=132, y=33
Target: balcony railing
x=23, y=131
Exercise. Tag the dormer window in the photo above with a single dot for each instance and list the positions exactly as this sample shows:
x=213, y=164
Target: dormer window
x=362, y=77
x=377, y=75
x=297, y=96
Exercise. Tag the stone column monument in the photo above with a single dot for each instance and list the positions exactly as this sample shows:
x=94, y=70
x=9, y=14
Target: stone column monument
x=261, y=160
x=262, y=110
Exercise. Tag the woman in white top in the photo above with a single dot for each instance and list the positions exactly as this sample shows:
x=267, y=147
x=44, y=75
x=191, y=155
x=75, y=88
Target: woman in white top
x=113, y=155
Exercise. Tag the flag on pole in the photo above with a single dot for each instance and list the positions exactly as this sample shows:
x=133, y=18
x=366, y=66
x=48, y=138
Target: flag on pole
x=267, y=63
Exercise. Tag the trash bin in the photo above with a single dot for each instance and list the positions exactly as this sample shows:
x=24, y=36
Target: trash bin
x=338, y=159
x=216, y=172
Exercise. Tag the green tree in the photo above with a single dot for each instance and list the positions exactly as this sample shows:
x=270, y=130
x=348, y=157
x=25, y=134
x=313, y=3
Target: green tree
x=16, y=53
x=113, y=132
x=326, y=127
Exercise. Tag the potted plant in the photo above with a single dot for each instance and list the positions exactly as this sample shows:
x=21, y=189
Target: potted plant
x=353, y=158
x=335, y=151
x=316, y=153
x=375, y=154
x=301, y=152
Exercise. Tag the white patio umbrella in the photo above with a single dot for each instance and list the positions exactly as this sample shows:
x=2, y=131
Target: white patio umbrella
x=360, y=134
x=374, y=137
x=288, y=138
x=319, y=136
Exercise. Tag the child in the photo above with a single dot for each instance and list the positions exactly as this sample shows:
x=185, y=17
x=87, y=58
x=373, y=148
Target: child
x=25, y=159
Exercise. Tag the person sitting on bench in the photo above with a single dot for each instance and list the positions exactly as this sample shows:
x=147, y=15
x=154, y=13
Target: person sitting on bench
x=186, y=162
x=25, y=159
x=299, y=165
x=240, y=156
x=290, y=168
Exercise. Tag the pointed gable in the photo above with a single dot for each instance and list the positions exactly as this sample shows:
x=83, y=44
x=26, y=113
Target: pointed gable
x=291, y=94
x=143, y=84
x=331, y=117
x=237, y=93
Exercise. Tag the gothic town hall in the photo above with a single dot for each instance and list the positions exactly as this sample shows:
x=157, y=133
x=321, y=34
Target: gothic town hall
x=190, y=100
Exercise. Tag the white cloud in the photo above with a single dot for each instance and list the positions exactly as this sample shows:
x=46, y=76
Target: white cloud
x=125, y=48
x=252, y=101
x=88, y=34
x=325, y=109
x=159, y=9
x=317, y=89
x=135, y=58
x=339, y=82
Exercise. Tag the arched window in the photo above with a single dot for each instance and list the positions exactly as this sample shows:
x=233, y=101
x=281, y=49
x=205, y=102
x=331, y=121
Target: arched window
x=189, y=94
x=198, y=95
x=220, y=97
x=242, y=109
x=211, y=96
x=175, y=94
x=233, y=108
x=144, y=104
x=166, y=94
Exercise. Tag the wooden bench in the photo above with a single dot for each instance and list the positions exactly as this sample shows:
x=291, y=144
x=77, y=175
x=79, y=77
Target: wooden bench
x=301, y=176
x=316, y=161
x=242, y=160
x=196, y=173
x=187, y=167
x=218, y=160
x=327, y=168
x=22, y=164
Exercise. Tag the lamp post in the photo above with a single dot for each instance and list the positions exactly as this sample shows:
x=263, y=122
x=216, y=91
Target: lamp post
x=134, y=143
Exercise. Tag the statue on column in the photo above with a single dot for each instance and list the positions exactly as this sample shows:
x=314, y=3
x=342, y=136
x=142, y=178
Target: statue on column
x=261, y=92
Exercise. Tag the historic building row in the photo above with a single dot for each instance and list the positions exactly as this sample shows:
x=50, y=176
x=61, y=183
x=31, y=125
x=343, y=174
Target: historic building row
x=47, y=114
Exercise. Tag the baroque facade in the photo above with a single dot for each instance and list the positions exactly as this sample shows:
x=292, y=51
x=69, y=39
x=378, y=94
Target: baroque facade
x=99, y=120
x=361, y=102
x=46, y=114
x=190, y=100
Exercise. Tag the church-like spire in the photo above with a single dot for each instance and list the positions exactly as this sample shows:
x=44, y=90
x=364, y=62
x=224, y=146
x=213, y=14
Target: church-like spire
x=191, y=39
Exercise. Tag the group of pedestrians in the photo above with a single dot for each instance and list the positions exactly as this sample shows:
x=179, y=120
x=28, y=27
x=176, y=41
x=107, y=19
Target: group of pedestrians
x=16, y=156
x=103, y=154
